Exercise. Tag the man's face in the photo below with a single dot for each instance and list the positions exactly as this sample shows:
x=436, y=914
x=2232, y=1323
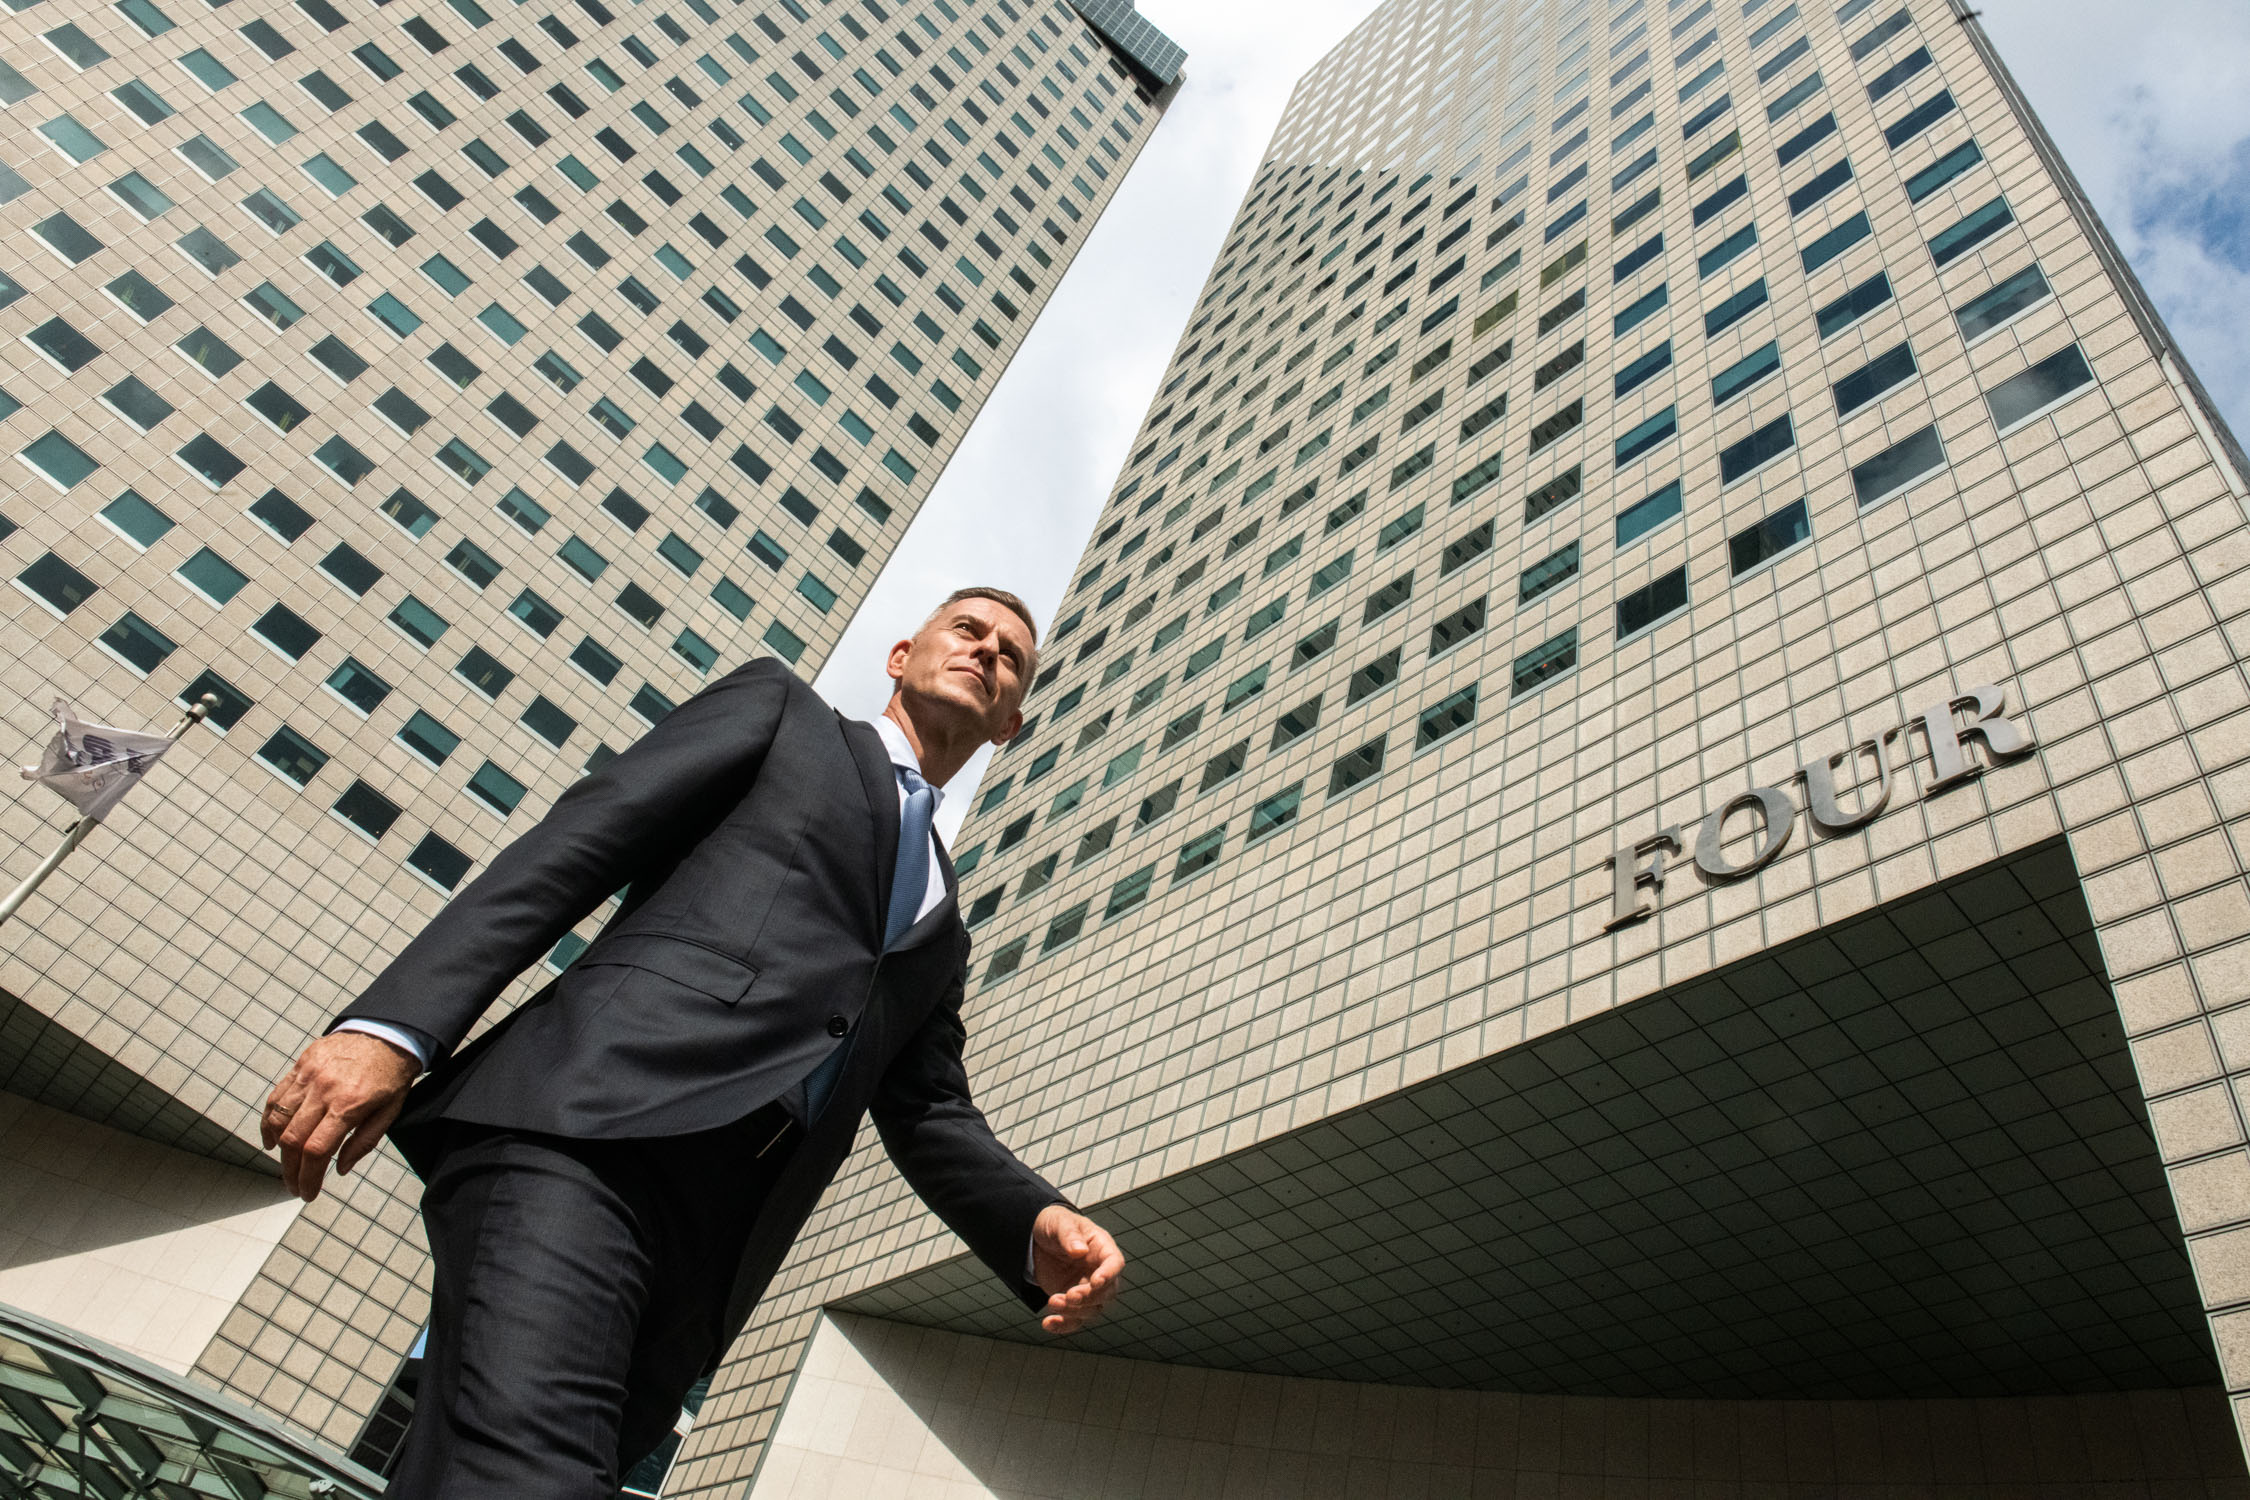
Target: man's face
x=972, y=660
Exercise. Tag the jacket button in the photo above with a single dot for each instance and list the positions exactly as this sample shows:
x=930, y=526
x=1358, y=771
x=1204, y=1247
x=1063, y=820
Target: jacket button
x=837, y=1025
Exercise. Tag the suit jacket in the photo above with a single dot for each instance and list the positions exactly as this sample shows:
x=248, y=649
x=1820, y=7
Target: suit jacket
x=758, y=830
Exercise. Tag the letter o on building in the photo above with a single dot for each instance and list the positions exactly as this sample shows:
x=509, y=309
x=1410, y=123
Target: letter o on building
x=1779, y=816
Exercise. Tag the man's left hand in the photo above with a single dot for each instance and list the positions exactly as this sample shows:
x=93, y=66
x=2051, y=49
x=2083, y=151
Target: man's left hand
x=1077, y=1263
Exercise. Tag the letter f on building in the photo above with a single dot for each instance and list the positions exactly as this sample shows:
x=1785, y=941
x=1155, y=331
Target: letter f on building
x=1641, y=866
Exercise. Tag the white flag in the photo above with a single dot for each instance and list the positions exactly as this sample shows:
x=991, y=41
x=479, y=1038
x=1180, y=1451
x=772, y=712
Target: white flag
x=93, y=765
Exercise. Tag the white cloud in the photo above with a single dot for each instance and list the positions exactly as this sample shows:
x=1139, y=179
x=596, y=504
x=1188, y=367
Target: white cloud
x=2145, y=101
x=2147, y=106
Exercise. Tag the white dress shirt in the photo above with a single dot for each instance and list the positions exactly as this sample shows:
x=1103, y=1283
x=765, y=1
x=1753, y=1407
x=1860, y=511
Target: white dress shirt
x=418, y=1046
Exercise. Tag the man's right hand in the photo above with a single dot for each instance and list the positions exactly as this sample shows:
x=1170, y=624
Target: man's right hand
x=335, y=1103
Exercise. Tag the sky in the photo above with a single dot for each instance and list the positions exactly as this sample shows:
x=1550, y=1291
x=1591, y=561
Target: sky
x=2146, y=102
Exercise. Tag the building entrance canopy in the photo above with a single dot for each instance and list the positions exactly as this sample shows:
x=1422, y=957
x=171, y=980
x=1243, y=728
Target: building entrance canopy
x=1905, y=1155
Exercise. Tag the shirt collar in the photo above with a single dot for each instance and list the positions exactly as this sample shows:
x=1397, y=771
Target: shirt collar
x=902, y=754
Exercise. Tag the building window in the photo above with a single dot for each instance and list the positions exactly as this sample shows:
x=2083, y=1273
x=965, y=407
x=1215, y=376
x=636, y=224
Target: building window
x=2018, y=294
x=1199, y=853
x=56, y=583
x=366, y=809
x=1545, y=662
x=496, y=788
x=1651, y=604
x=1644, y=516
x=438, y=860
x=292, y=755
x=139, y=642
x=2038, y=390
x=1898, y=466
x=1358, y=766
x=1757, y=545
x=1881, y=375
x=1446, y=717
x=428, y=738
x=1757, y=450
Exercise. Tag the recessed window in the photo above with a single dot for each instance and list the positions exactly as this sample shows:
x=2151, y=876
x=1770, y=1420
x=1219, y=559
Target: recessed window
x=2039, y=389
x=1872, y=381
x=1970, y=232
x=1778, y=533
x=63, y=344
x=138, y=295
x=496, y=788
x=293, y=755
x=1644, y=516
x=140, y=522
x=148, y=201
x=1855, y=304
x=68, y=238
x=1757, y=450
x=537, y=615
x=482, y=671
x=549, y=722
x=523, y=510
x=232, y=703
x=1357, y=767
x=366, y=809
x=443, y=864
x=1447, y=717
x=1836, y=241
x=1545, y=662
x=351, y=570
x=454, y=365
x=284, y=516
x=596, y=661
x=212, y=256
x=421, y=623
x=1647, y=435
x=73, y=139
x=2018, y=294
x=137, y=404
x=428, y=738
x=1199, y=853
x=56, y=583
x=640, y=604
x=473, y=563
x=1745, y=373
x=139, y=642
x=401, y=411
x=359, y=687
x=286, y=631
x=212, y=575
x=145, y=103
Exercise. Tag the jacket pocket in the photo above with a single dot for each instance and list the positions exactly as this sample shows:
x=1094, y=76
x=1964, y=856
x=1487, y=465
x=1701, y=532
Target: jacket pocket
x=681, y=960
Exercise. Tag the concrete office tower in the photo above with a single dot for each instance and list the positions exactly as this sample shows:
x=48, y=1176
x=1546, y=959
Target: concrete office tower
x=1603, y=416
x=449, y=389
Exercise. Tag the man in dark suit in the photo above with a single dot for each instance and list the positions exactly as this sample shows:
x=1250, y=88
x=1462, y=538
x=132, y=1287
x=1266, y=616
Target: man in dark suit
x=614, y=1171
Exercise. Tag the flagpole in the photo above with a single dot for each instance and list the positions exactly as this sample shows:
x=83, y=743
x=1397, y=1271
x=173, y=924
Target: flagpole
x=16, y=898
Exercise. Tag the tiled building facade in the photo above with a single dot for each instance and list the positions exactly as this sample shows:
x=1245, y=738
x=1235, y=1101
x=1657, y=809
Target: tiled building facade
x=1637, y=804
x=449, y=391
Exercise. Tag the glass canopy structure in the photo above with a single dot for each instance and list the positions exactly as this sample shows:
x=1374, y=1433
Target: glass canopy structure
x=80, y=1419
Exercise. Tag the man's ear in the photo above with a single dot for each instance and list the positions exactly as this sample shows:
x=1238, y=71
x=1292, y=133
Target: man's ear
x=1015, y=727
x=894, y=665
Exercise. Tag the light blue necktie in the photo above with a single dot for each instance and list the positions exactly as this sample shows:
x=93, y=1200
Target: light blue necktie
x=910, y=883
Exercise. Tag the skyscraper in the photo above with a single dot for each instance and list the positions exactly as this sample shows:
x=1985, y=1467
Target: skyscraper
x=449, y=391
x=1621, y=869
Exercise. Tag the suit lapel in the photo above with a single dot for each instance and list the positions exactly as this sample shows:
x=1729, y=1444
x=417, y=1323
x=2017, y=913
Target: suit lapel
x=880, y=783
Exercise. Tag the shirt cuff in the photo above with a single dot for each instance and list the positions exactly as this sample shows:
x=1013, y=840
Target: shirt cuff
x=414, y=1044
